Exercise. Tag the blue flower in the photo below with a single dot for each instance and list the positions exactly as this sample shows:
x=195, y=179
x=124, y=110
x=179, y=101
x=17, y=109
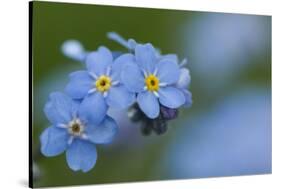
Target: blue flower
x=99, y=86
x=153, y=79
x=74, y=50
x=73, y=131
x=184, y=79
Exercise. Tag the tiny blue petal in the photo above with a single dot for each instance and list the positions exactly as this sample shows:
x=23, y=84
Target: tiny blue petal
x=171, y=97
x=146, y=57
x=98, y=61
x=168, y=71
x=120, y=63
x=171, y=57
x=149, y=104
x=79, y=85
x=93, y=108
x=184, y=79
x=53, y=141
x=188, y=98
x=60, y=108
x=132, y=78
x=103, y=133
x=119, y=97
x=81, y=155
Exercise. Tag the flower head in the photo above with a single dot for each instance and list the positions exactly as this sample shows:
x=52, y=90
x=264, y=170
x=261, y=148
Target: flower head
x=74, y=131
x=184, y=79
x=153, y=79
x=99, y=86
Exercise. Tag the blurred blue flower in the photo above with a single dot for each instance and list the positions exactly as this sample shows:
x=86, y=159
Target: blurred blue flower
x=153, y=79
x=229, y=45
x=231, y=138
x=74, y=131
x=74, y=49
x=99, y=86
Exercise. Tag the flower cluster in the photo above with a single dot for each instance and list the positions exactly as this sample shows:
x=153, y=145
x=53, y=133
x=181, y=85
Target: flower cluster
x=149, y=85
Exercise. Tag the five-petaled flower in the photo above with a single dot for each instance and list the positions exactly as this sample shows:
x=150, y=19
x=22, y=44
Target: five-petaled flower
x=74, y=130
x=99, y=86
x=153, y=79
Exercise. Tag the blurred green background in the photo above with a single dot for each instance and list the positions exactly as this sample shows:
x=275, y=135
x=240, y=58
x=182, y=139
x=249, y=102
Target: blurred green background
x=226, y=132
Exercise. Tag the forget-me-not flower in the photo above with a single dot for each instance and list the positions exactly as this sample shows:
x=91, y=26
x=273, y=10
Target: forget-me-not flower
x=74, y=131
x=153, y=79
x=184, y=79
x=99, y=86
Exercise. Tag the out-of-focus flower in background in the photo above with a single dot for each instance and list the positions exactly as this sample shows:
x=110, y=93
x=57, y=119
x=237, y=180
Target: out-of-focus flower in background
x=221, y=46
x=232, y=138
x=74, y=49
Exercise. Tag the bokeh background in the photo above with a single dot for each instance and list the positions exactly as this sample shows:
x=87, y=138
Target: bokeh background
x=226, y=132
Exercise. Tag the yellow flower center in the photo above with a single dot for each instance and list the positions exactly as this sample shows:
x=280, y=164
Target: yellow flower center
x=152, y=83
x=103, y=83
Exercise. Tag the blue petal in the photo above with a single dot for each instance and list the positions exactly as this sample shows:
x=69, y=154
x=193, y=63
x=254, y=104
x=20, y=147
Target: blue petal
x=172, y=57
x=149, y=104
x=53, y=141
x=184, y=79
x=171, y=97
x=79, y=85
x=103, y=133
x=116, y=54
x=81, y=155
x=132, y=78
x=97, y=62
x=119, y=97
x=168, y=71
x=188, y=98
x=60, y=108
x=120, y=63
x=93, y=108
x=146, y=57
